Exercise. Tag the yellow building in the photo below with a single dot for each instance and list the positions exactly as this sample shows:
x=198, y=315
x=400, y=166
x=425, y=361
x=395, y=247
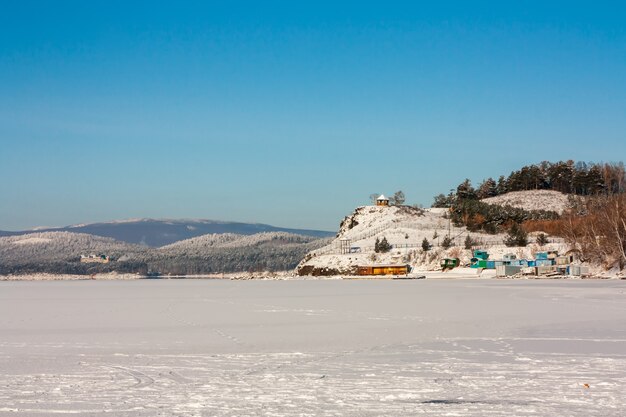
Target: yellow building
x=383, y=270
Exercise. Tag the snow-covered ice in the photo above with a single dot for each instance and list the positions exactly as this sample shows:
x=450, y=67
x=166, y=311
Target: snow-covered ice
x=313, y=348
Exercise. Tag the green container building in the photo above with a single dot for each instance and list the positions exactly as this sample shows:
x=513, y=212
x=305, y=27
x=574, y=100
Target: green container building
x=481, y=254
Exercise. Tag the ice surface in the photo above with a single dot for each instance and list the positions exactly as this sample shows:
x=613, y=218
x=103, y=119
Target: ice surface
x=313, y=348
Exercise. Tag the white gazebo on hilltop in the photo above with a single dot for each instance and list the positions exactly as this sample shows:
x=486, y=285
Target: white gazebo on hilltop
x=382, y=200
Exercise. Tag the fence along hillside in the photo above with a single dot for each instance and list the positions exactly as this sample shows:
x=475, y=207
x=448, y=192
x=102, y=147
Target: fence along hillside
x=457, y=237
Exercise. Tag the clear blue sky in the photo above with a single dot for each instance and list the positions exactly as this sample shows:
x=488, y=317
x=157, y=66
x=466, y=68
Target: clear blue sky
x=290, y=113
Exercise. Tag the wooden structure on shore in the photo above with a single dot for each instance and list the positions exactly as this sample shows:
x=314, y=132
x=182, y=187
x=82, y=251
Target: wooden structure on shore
x=383, y=270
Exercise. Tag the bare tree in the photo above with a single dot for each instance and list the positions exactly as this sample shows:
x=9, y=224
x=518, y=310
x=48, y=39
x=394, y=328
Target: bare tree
x=600, y=235
x=398, y=199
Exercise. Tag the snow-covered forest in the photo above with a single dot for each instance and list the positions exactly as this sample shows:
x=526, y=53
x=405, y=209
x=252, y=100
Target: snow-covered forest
x=60, y=252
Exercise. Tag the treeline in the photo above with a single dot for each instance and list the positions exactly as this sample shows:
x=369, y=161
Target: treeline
x=218, y=260
x=569, y=177
x=248, y=259
x=71, y=267
x=577, y=178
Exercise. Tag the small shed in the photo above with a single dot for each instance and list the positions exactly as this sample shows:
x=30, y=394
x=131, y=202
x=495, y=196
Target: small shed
x=579, y=270
x=563, y=260
x=478, y=263
x=480, y=259
x=382, y=200
x=508, y=270
x=481, y=254
x=449, y=263
x=544, y=262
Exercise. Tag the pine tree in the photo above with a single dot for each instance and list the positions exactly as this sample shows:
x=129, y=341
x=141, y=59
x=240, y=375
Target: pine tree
x=516, y=236
x=502, y=187
x=446, y=243
x=444, y=201
x=384, y=246
x=488, y=188
x=465, y=191
x=426, y=245
x=542, y=239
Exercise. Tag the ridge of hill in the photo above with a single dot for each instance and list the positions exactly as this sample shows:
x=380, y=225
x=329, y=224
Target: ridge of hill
x=60, y=246
x=231, y=240
x=161, y=232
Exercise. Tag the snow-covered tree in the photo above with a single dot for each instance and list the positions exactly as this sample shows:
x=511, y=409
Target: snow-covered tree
x=516, y=236
x=382, y=245
x=465, y=191
x=488, y=188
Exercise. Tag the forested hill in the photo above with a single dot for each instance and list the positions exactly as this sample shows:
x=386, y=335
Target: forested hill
x=568, y=177
x=587, y=207
x=60, y=252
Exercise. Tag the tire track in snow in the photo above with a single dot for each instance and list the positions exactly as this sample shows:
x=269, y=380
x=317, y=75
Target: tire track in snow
x=142, y=379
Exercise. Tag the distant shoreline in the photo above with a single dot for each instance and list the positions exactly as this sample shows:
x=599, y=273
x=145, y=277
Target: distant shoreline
x=285, y=276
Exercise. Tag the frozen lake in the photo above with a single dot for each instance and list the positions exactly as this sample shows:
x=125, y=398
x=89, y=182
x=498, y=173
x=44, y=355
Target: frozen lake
x=313, y=348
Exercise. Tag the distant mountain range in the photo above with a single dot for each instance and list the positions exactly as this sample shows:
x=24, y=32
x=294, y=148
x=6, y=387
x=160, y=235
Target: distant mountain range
x=160, y=232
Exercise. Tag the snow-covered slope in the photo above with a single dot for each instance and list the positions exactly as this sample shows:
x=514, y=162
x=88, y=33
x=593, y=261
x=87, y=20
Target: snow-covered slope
x=273, y=251
x=59, y=246
x=230, y=240
x=403, y=227
x=548, y=200
x=60, y=252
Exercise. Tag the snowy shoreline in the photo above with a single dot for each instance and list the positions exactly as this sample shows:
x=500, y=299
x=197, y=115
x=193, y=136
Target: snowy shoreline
x=456, y=274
